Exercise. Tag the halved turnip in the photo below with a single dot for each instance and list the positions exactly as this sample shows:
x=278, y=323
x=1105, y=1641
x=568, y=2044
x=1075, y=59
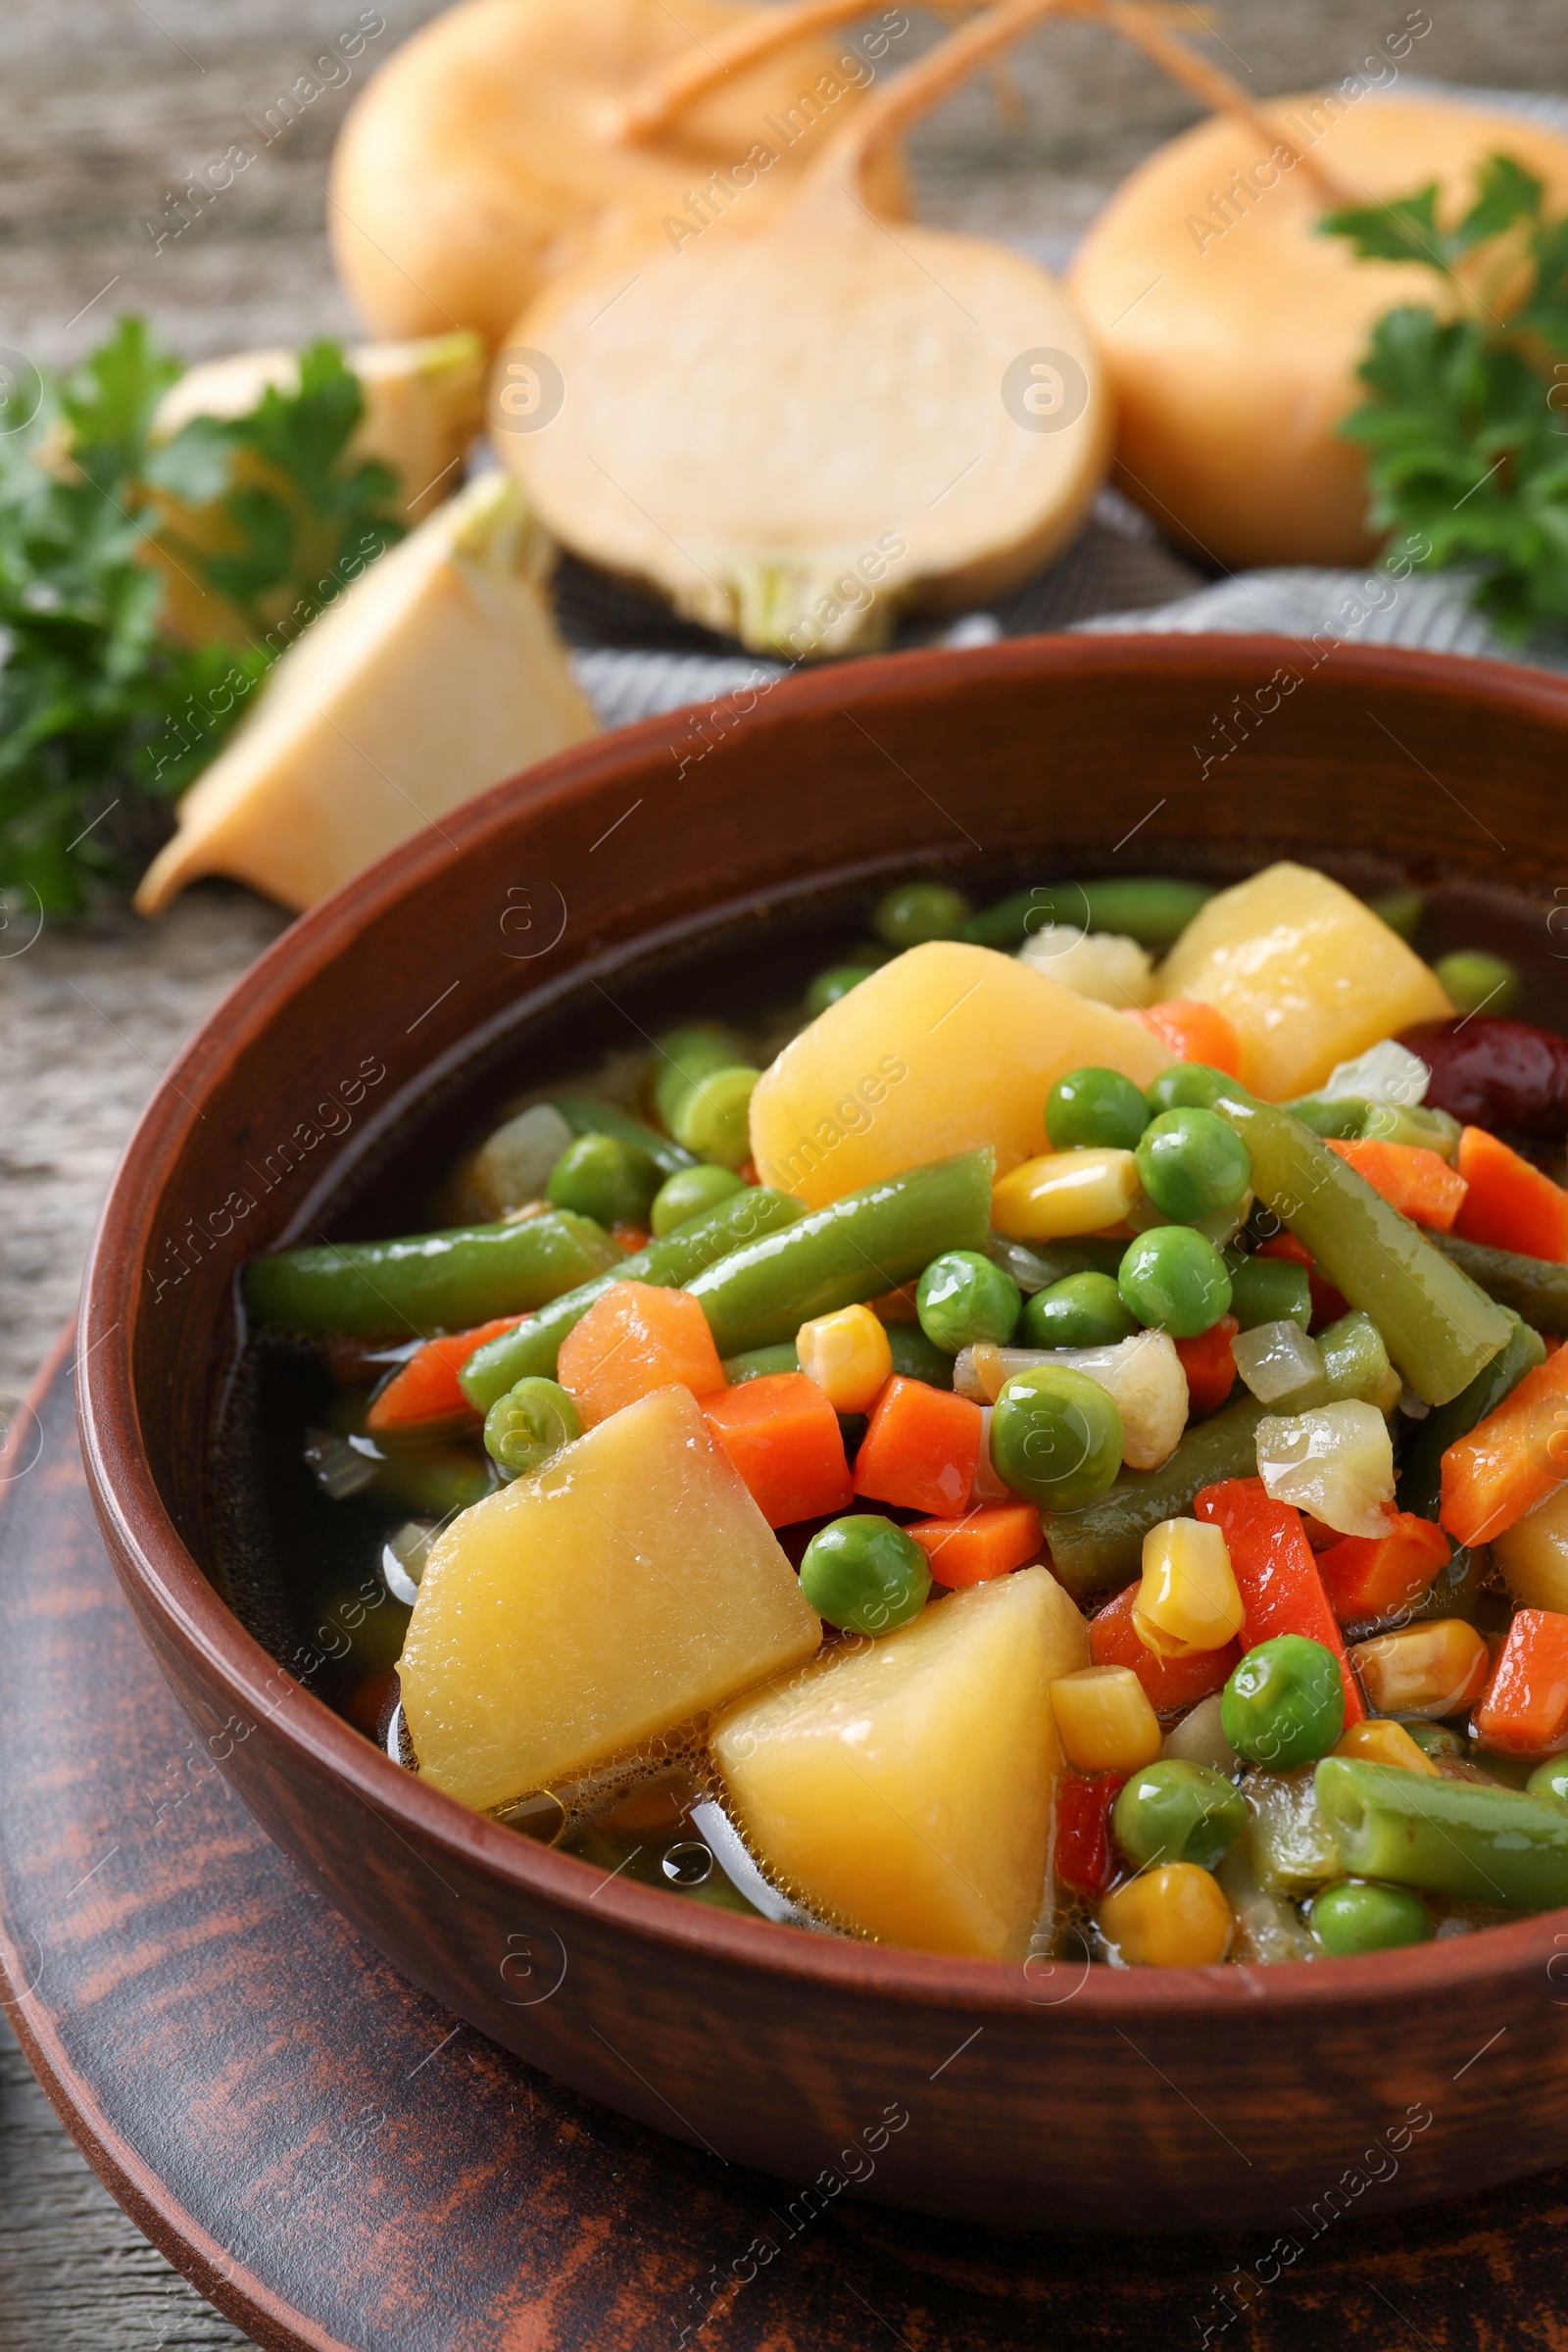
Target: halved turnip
x=483, y=156
x=796, y=428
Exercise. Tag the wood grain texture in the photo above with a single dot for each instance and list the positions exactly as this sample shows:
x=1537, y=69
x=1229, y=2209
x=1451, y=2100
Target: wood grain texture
x=766, y=2043
x=343, y=2163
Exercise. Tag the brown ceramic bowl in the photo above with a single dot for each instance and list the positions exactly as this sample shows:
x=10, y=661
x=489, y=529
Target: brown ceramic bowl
x=1187, y=2098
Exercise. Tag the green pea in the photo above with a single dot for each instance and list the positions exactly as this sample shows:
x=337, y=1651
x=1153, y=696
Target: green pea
x=1268, y=1289
x=1095, y=1107
x=1549, y=1780
x=528, y=1424
x=1284, y=1704
x=601, y=1177
x=1191, y=1162
x=963, y=1300
x=864, y=1575
x=683, y=1056
x=1434, y=1738
x=1189, y=1082
x=1172, y=1811
x=714, y=1118
x=1472, y=978
x=915, y=911
x=829, y=986
x=1086, y=1310
x=1173, y=1280
x=1356, y=1915
x=1056, y=1437
x=688, y=1194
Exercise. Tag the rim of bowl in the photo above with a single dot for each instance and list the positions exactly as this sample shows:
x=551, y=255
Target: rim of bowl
x=173, y=1586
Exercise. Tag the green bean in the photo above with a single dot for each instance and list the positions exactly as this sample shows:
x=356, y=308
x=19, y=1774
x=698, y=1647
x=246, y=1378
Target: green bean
x=584, y=1116
x=759, y=1363
x=1412, y=1123
x=1040, y=1265
x=1268, y=1289
x=712, y=1117
x=1401, y=909
x=428, y=1281
x=836, y=982
x=669, y=1264
x=1457, y=1837
x=1153, y=908
x=868, y=1242
x=688, y=1193
x=1003, y=925
x=1535, y=1288
x=528, y=1425
x=1102, y=1544
x=1439, y=1328
x=1421, y=1485
x=1341, y=1117
x=434, y=1481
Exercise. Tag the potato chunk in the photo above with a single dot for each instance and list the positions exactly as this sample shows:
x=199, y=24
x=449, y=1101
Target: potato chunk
x=1310, y=976
x=904, y=1786
x=628, y=1587
x=946, y=1048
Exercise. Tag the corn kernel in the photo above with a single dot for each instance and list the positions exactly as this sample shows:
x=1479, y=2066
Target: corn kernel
x=848, y=1355
x=1188, y=1601
x=1432, y=1670
x=1172, y=1917
x=1378, y=1743
x=1103, y=1719
x=1065, y=1193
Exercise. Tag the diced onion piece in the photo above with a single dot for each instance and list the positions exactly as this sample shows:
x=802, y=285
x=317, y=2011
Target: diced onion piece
x=1336, y=1461
x=989, y=1486
x=340, y=1466
x=1277, y=1359
x=1387, y=1073
x=513, y=1167
x=1291, y=1844
x=1102, y=965
x=1200, y=1737
x=1142, y=1374
x=1188, y=1601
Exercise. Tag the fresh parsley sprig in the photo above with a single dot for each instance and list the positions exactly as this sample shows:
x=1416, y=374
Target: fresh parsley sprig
x=104, y=714
x=1468, y=449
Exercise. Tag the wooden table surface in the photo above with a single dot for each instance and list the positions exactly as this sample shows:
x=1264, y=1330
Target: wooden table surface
x=105, y=107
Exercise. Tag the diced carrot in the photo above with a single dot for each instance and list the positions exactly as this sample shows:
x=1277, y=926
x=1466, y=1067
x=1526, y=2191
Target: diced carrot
x=1193, y=1033
x=1277, y=1573
x=897, y=1306
x=1209, y=1366
x=1373, y=1576
x=631, y=1238
x=1328, y=1303
x=1524, y=1709
x=1512, y=1460
x=920, y=1451
x=636, y=1338
x=1170, y=1684
x=989, y=1541
x=424, y=1390
x=746, y=1172
x=1510, y=1204
x=783, y=1437
x=1417, y=1182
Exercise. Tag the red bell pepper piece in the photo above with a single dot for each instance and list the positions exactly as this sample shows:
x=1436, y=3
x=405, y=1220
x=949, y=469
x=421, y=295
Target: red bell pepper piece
x=1086, y=1857
x=1374, y=1575
x=1328, y=1305
x=1277, y=1573
x=1524, y=1708
x=1171, y=1685
x=1209, y=1366
x=1509, y=1204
